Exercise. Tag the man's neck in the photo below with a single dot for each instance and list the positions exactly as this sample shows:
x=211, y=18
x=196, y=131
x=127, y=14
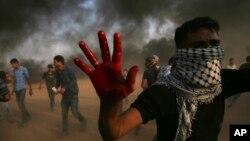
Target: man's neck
x=18, y=67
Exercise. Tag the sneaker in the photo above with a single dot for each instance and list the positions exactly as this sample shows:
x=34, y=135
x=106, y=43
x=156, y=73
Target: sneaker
x=63, y=135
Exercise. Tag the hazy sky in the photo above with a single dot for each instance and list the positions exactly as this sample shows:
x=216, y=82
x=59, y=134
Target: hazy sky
x=37, y=30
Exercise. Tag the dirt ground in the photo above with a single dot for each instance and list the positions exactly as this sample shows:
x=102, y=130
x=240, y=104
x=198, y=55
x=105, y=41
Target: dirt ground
x=45, y=125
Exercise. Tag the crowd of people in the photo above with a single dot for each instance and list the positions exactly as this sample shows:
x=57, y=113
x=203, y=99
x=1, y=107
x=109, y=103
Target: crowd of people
x=62, y=81
x=182, y=96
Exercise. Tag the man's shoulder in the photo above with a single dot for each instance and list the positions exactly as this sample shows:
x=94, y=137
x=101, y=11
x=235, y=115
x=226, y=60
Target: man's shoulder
x=245, y=66
x=22, y=68
x=67, y=68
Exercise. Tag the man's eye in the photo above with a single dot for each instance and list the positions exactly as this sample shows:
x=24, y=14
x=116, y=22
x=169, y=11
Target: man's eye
x=199, y=45
x=215, y=43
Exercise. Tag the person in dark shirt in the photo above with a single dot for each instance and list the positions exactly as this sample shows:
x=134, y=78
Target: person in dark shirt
x=66, y=84
x=152, y=68
x=50, y=81
x=247, y=64
x=188, y=104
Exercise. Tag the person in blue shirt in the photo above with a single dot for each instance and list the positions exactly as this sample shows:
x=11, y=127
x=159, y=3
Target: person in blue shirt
x=20, y=77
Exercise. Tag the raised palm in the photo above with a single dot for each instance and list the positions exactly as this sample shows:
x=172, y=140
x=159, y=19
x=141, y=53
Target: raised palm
x=107, y=76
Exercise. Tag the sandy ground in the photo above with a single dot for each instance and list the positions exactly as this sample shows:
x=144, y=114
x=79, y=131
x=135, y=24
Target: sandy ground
x=45, y=125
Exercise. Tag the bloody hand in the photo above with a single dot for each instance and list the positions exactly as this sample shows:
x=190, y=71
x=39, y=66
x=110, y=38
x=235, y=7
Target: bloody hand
x=107, y=76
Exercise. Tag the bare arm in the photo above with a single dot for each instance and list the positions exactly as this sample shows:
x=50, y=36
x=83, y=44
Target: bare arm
x=28, y=81
x=113, y=125
x=41, y=82
x=111, y=87
x=30, y=87
x=40, y=85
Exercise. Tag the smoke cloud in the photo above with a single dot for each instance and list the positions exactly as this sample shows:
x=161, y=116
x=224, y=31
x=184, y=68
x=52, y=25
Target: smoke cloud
x=36, y=31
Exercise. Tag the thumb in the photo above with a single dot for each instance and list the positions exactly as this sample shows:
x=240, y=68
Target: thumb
x=131, y=77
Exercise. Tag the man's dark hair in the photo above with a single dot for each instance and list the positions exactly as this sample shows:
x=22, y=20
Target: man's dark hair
x=248, y=59
x=59, y=58
x=192, y=26
x=50, y=66
x=14, y=61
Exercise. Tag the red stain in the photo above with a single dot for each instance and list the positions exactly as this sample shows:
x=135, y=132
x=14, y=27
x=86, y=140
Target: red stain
x=107, y=76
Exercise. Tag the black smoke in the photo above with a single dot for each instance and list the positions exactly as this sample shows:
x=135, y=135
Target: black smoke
x=39, y=30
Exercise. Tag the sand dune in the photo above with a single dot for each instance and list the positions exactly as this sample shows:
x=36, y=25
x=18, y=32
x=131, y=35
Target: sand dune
x=45, y=125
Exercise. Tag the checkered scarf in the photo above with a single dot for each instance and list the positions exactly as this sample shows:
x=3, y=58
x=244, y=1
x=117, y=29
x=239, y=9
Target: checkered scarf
x=195, y=79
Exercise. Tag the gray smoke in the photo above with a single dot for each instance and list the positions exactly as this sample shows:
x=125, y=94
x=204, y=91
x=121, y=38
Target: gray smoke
x=38, y=30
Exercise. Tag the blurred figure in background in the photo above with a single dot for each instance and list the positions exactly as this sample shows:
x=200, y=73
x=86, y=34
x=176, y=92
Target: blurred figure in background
x=247, y=64
x=5, y=96
x=165, y=69
x=233, y=99
x=152, y=68
x=231, y=64
x=50, y=81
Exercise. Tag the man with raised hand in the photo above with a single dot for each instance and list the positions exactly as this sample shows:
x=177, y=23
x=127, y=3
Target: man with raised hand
x=188, y=104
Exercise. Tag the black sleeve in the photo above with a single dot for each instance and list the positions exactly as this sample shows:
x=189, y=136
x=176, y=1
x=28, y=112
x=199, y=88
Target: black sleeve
x=153, y=102
x=235, y=81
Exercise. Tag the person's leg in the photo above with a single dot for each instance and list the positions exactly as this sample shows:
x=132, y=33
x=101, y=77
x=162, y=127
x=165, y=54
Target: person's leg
x=76, y=113
x=65, y=109
x=51, y=99
x=10, y=114
x=18, y=99
x=2, y=110
x=24, y=112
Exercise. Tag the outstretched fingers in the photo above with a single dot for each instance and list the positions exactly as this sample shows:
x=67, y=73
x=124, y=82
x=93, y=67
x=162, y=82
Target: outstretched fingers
x=104, y=46
x=117, y=55
x=131, y=77
x=83, y=66
x=89, y=54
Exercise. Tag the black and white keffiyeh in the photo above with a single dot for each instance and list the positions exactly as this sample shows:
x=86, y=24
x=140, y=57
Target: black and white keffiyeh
x=195, y=78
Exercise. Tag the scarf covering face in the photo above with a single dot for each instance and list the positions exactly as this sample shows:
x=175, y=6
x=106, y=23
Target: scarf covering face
x=195, y=79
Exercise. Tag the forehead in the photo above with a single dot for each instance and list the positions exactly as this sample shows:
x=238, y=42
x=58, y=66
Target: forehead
x=14, y=64
x=202, y=34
